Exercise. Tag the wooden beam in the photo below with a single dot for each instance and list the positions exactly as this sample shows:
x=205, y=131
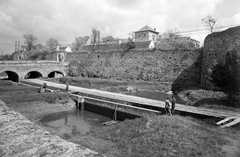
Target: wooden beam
x=134, y=99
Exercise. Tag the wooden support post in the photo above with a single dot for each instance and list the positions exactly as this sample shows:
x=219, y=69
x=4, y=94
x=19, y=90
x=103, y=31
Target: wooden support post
x=78, y=102
x=82, y=103
x=115, y=113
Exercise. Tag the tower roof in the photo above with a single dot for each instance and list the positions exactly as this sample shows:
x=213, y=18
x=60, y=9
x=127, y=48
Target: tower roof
x=147, y=28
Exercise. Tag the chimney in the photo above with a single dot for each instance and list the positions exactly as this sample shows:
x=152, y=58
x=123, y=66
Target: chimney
x=155, y=29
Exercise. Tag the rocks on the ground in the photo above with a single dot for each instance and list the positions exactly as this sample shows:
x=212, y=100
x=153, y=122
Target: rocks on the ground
x=192, y=97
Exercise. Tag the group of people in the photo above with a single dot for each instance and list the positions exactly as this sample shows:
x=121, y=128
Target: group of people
x=170, y=105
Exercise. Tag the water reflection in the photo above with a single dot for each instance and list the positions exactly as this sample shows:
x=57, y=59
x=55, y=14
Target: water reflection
x=63, y=122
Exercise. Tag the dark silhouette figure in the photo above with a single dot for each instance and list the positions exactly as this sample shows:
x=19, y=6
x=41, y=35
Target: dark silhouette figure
x=173, y=101
x=67, y=86
x=44, y=87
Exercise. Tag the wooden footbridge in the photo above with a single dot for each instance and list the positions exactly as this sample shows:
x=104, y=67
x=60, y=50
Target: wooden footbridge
x=228, y=118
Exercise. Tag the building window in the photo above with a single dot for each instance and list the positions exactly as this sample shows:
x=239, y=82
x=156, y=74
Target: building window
x=144, y=35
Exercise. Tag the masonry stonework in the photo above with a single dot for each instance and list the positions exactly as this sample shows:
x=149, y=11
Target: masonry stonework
x=22, y=68
x=147, y=65
x=215, y=49
x=233, y=64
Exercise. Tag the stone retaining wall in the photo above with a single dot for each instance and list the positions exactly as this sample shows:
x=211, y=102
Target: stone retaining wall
x=148, y=65
x=216, y=46
x=22, y=138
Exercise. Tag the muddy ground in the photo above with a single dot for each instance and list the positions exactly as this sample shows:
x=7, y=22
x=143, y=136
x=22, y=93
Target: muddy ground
x=150, y=136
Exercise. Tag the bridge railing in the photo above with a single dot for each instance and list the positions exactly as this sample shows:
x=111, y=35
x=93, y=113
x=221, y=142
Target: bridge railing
x=33, y=62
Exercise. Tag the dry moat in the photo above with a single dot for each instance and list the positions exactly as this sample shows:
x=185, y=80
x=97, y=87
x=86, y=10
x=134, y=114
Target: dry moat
x=153, y=135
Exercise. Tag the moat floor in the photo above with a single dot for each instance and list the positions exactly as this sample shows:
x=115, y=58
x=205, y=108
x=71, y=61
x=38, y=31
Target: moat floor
x=150, y=136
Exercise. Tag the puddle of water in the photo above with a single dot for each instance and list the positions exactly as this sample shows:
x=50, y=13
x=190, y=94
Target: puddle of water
x=156, y=96
x=63, y=122
x=83, y=121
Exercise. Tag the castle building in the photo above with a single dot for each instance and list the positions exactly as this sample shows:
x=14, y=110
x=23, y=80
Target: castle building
x=146, y=33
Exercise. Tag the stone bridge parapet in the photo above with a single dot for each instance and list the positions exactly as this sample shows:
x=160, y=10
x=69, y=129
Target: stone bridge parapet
x=23, y=69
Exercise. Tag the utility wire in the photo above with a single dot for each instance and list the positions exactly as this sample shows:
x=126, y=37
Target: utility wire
x=203, y=29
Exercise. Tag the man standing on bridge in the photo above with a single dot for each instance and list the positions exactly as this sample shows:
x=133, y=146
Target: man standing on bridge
x=173, y=101
x=168, y=107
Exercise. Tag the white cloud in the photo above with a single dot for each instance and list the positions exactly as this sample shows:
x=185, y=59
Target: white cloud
x=64, y=20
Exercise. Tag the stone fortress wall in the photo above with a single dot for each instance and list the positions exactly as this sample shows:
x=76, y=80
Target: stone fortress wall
x=176, y=69
x=147, y=65
x=216, y=47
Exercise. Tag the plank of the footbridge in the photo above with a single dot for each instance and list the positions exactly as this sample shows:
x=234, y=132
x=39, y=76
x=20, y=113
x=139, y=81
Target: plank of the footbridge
x=135, y=99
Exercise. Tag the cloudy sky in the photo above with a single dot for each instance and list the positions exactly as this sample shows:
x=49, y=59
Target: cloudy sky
x=67, y=19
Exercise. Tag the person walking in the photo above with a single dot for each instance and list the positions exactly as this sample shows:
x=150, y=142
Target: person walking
x=173, y=101
x=168, y=107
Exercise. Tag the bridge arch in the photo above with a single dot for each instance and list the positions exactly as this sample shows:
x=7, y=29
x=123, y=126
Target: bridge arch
x=55, y=74
x=11, y=75
x=33, y=74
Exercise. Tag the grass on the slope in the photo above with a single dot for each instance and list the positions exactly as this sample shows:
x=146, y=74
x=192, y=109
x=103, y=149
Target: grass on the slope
x=166, y=136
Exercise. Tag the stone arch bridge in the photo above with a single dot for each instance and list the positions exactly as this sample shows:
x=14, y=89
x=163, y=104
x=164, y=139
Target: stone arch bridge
x=16, y=70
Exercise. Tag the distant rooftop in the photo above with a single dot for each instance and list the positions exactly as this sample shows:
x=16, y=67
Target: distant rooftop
x=62, y=48
x=147, y=28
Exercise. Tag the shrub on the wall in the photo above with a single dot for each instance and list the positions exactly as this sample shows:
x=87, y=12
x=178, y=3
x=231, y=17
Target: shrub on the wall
x=223, y=78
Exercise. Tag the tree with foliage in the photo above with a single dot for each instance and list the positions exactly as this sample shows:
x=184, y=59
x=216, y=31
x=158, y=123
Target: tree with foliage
x=223, y=78
x=95, y=35
x=40, y=47
x=79, y=41
x=129, y=45
x=209, y=22
x=6, y=57
x=52, y=43
x=109, y=39
x=30, y=41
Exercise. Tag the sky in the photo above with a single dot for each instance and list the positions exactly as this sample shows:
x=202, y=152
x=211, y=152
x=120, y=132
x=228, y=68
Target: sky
x=66, y=19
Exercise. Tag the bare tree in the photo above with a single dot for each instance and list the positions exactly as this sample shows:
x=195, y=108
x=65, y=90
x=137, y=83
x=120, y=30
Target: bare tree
x=52, y=43
x=30, y=41
x=95, y=35
x=79, y=41
x=131, y=35
x=209, y=22
x=171, y=34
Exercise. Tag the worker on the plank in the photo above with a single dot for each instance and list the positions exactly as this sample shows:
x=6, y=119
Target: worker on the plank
x=168, y=107
x=173, y=101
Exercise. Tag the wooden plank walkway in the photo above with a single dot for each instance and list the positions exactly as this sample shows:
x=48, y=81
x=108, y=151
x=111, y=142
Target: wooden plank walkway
x=134, y=99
